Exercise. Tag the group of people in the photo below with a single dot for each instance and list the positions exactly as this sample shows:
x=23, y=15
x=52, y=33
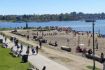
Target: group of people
x=89, y=52
x=18, y=49
x=84, y=50
x=34, y=50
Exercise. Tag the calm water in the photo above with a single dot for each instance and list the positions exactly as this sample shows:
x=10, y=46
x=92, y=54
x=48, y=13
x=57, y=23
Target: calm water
x=76, y=25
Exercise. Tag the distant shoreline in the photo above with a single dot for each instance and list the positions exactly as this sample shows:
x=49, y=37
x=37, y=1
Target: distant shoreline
x=73, y=16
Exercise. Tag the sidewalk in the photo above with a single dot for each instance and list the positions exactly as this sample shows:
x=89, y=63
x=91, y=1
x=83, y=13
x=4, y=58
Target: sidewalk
x=38, y=60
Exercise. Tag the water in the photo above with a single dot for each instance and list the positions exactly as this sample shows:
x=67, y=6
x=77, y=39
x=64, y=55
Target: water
x=76, y=25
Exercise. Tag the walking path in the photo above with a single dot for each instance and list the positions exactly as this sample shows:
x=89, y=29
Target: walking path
x=38, y=60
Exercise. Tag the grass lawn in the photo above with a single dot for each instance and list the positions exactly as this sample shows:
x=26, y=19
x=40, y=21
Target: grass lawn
x=7, y=62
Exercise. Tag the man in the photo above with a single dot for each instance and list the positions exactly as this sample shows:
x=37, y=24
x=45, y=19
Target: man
x=40, y=43
x=44, y=68
x=102, y=57
x=27, y=52
x=21, y=47
x=33, y=50
x=37, y=49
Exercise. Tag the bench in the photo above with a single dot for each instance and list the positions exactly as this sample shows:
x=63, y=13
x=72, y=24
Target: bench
x=53, y=44
x=68, y=49
x=96, y=58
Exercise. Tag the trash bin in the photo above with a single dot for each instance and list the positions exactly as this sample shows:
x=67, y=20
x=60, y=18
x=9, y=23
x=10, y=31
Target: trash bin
x=25, y=58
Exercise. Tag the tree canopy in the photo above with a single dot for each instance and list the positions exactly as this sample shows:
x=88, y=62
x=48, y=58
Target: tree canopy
x=73, y=16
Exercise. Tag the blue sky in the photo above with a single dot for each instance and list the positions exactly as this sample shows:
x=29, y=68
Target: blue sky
x=50, y=6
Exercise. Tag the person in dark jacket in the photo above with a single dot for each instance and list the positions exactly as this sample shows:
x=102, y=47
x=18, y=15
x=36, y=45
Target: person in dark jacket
x=40, y=43
x=33, y=50
x=37, y=49
x=90, y=52
x=21, y=47
x=44, y=68
x=27, y=52
x=102, y=57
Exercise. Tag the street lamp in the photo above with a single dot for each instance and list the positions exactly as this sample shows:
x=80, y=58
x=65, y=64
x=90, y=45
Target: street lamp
x=93, y=41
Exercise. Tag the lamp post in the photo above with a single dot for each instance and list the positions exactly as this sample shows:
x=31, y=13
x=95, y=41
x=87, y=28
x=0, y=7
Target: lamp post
x=93, y=41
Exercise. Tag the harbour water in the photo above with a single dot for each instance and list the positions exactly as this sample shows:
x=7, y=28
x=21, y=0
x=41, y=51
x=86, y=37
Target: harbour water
x=75, y=25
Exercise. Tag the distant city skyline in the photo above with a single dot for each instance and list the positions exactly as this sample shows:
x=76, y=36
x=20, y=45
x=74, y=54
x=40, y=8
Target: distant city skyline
x=20, y=7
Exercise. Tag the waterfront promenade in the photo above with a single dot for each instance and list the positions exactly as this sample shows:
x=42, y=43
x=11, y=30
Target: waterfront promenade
x=68, y=60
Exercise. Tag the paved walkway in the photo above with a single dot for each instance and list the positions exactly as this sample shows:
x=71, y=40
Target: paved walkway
x=38, y=60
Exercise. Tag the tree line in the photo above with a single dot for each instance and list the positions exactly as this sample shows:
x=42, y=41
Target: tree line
x=73, y=16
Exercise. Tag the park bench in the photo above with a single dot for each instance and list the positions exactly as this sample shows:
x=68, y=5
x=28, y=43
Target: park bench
x=38, y=38
x=68, y=49
x=53, y=44
x=43, y=41
x=96, y=58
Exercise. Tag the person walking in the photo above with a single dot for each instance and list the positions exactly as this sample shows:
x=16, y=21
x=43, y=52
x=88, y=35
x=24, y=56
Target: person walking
x=33, y=50
x=102, y=57
x=97, y=45
x=40, y=44
x=27, y=51
x=44, y=68
x=21, y=47
x=90, y=52
x=89, y=42
x=37, y=49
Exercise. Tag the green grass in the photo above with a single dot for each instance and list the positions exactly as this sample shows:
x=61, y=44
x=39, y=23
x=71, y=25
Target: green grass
x=91, y=67
x=7, y=62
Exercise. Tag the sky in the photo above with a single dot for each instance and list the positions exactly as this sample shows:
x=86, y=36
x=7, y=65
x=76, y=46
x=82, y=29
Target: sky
x=19, y=7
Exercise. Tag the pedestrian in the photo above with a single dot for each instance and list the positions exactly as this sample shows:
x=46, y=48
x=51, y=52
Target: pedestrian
x=27, y=51
x=21, y=47
x=97, y=45
x=102, y=57
x=37, y=49
x=20, y=53
x=33, y=50
x=6, y=45
x=17, y=47
x=40, y=43
x=89, y=42
x=44, y=68
x=27, y=37
x=90, y=52
x=37, y=33
x=16, y=42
